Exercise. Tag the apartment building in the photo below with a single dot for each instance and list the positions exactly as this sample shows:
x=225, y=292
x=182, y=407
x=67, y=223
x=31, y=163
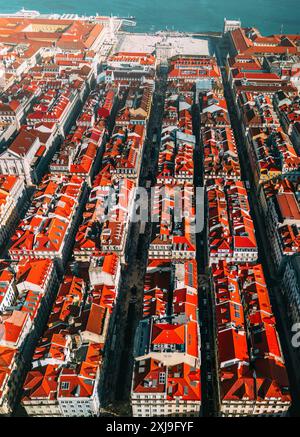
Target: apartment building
x=272, y=155
x=12, y=366
x=123, y=153
x=27, y=292
x=173, y=229
x=291, y=287
x=12, y=198
x=105, y=270
x=66, y=366
x=55, y=107
x=166, y=379
x=130, y=68
x=131, y=61
x=49, y=225
x=283, y=221
x=8, y=122
x=214, y=111
x=193, y=69
x=80, y=153
x=106, y=218
x=231, y=233
x=27, y=155
x=175, y=160
x=137, y=105
x=220, y=154
x=295, y=136
x=252, y=378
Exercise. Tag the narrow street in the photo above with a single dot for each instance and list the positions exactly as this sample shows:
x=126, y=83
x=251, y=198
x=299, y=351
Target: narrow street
x=204, y=289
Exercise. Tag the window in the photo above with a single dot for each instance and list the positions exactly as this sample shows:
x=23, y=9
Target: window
x=162, y=378
x=65, y=385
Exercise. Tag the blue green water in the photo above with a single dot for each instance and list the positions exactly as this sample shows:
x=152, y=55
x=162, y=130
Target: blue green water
x=183, y=15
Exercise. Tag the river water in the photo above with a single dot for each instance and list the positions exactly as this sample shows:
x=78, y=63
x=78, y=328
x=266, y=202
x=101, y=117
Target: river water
x=182, y=15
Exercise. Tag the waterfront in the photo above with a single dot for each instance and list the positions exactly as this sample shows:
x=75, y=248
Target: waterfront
x=188, y=15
